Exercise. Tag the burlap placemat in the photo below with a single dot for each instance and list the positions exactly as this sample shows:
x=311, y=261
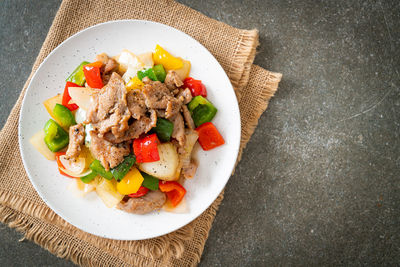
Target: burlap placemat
x=22, y=208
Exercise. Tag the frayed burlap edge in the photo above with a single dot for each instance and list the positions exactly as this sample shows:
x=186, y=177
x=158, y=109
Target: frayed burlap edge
x=245, y=52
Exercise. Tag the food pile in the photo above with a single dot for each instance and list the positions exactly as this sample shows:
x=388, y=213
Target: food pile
x=125, y=127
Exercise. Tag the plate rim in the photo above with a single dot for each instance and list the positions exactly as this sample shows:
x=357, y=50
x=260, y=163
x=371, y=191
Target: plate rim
x=236, y=147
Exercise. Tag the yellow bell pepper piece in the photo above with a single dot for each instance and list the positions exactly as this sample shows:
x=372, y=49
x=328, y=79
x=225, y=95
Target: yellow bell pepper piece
x=131, y=182
x=134, y=83
x=50, y=103
x=161, y=56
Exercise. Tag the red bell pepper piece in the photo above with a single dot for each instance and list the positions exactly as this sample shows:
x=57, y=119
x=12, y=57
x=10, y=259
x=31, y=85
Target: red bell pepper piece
x=93, y=75
x=209, y=137
x=195, y=86
x=174, y=191
x=66, y=97
x=145, y=148
x=58, y=154
x=141, y=192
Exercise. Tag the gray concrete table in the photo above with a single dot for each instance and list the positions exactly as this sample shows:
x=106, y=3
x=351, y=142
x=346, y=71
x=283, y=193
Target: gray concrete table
x=319, y=180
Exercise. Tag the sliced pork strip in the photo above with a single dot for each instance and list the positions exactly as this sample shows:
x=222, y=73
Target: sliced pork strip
x=153, y=200
x=137, y=128
x=185, y=95
x=110, y=155
x=190, y=170
x=173, y=107
x=188, y=118
x=76, y=140
x=179, y=129
x=136, y=103
x=172, y=80
x=109, y=110
x=156, y=95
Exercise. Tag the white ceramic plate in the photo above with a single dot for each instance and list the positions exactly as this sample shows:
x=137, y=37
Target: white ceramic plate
x=89, y=213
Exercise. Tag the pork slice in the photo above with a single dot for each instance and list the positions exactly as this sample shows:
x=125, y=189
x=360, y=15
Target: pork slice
x=189, y=166
x=173, y=107
x=136, y=103
x=110, y=155
x=179, y=129
x=185, y=95
x=188, y=117
x=189, y=170
x=137, y=128
x=109, y=109
x=172, y=80
x=76, y=140
x=156, y=95
x=160, y=113
x=110, y=65
x=103, y=58
x=153, y=200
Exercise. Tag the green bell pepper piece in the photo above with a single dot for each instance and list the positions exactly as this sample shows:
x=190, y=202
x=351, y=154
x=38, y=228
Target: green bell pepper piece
x=96, y=167
x=123, y=168
x=163, y=129
x=202, y=110
x=77, y=75
x=64, y=116
x=88, y=178
x=149, y=181
x=56, y=138
x=147, y=73
x=160, y=72
x=197, y=100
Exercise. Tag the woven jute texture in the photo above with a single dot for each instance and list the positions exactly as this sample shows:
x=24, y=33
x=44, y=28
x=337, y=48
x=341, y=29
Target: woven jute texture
x=22, y=208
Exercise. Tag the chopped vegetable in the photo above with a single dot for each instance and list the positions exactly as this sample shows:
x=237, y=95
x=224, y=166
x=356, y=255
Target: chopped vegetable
x=145, y=148
x=50, y=103
x=64, y=116
x=67, y=98
x=161, y=56
x=182, y=207
x=174, y=191
x=163, y=129
x=146, y=59
x=74, y=166
x=209, y=137
x=99, y=169
x=134, y=83
x=123, y=168
x=166, y=167
x=88, y=178
x=71, y=168
x=147, y=73
x=80, y=189
x=184, y=71
x=195, y=86
x=60, y=165
x=128, y=60
x=141, y=192
x=77, y=76
x=149, y=181
x=131, y=182
x=160, y=72
x=56, y=138
x=37, y=140
x=81, y=96
x=80, y=115
x=202, y=110
x=106, y=190
x=92, y=74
